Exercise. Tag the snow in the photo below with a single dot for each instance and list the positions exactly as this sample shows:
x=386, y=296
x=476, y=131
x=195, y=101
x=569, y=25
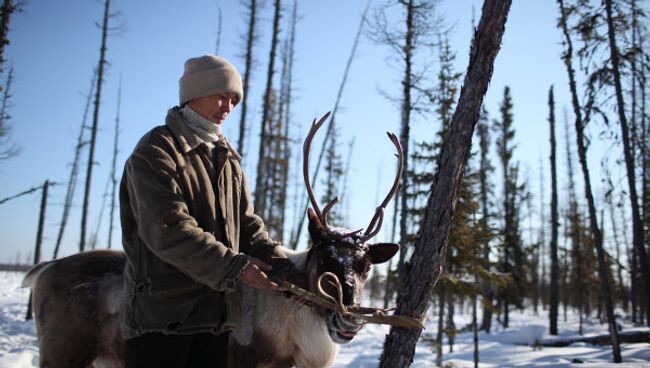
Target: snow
x=503, y=348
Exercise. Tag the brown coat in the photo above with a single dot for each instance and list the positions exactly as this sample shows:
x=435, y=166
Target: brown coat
x=185, y=221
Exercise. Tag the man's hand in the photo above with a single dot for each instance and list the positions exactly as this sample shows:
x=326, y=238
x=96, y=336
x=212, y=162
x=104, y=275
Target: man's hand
x=254, y=275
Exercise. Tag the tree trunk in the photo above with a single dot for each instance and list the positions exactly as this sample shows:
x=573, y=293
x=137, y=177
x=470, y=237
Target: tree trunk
x=39, y=240
x=430, y=251
x=248, y=69
x=555, y=269
x=74, y=170
x=260, y=189
x=582, y=154
x=404, y=136
x=93, y=131
x=114, y=166
x=637, y=225
x=441, y=324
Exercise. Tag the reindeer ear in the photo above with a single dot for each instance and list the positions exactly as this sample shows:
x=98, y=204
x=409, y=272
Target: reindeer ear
x=382, y=252
x=316, y=230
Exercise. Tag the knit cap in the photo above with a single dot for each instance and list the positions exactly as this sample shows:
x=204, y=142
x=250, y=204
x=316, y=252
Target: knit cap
x=207, y=75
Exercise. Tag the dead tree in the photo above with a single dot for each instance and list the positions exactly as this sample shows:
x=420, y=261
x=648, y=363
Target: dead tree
x=251, y=36
x=555, y=268
x=637, y=225
x=406, y=40
x=426, y=264
x=39, y=239
x=113, y=177
x=8, y=148
x=93, y=130
x=295, y=236
x=596, y=233
x=74, y=169
x=266, y=115
x=216, y=48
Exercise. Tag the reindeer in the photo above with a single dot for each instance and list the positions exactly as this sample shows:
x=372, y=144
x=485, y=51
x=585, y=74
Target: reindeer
x=77, y=299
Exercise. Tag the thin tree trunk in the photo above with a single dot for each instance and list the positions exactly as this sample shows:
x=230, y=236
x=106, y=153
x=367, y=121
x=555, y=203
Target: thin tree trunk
x=287, y=102
x=74, y=170
x=39, y=240
x=582, y=153
x=441, y=328
x=555, y=269
x=114, y=166
x=430, y=251
x=93, y=132
x=451, y=326
x=250, y=42
x=637, y=225
x=486, y=322
x=405, y=134
x=260, y=190
x=216, y=49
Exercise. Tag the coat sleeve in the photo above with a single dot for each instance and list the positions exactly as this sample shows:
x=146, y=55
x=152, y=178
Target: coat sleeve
x=254, y=238
x=166, y=227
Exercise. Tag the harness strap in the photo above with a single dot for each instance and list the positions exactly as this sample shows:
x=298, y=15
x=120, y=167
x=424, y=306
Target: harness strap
x=366, y=314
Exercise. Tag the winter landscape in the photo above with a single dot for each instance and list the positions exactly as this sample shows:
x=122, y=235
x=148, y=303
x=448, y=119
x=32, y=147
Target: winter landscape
x=514, y=347
x=522, y=178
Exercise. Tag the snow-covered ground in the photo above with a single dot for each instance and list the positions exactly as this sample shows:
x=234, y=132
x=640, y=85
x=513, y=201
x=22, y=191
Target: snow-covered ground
x=502, y=348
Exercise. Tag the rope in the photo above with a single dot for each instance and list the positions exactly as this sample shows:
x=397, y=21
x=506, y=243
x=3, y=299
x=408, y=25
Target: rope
x=366, y=314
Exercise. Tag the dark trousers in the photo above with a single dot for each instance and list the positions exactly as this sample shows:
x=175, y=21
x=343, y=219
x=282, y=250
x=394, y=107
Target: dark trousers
x=157, y=350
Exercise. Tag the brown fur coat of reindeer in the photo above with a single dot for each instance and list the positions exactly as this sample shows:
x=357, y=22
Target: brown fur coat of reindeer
x=77, y=299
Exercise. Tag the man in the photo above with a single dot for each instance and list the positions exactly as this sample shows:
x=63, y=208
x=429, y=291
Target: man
x=189, y=230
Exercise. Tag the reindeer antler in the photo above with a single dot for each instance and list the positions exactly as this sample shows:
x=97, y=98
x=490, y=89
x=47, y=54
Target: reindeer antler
x=322, y=216
x=378, y=218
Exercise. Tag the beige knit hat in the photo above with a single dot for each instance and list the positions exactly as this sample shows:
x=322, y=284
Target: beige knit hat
x=207, y=75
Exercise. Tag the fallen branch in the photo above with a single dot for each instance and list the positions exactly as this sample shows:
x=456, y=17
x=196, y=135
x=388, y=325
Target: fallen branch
x=629, y=337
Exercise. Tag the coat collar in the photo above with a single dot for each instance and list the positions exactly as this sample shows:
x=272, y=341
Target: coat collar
x=186, y=138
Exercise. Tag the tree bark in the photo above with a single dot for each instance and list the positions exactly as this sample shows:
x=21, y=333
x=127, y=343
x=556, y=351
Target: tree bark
x=637, y=225
x=93, y=131
x=427, y=262
x=555, y=269
x=582, y=154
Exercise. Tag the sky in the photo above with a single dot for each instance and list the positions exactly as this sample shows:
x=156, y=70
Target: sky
x=55, y=46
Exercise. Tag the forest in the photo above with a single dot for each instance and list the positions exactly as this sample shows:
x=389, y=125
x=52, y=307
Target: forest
x=477, y=233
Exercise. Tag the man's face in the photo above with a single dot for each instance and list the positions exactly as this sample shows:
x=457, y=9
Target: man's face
x=214, y=107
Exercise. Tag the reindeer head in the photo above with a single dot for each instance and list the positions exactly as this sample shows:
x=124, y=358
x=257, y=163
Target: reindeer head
x=347, y=254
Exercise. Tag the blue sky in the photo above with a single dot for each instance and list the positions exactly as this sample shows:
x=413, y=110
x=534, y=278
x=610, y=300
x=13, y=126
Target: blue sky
x=54, y=48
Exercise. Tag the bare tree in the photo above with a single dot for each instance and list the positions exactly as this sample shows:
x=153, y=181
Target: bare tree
x=251, y=36
x=555, y=268
x=426, y=264
x=8, y=148
x=405, y=41
x=582, y=154
x=93, y=131
x=74, y=169
x=113, y=177
x=637, y=225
